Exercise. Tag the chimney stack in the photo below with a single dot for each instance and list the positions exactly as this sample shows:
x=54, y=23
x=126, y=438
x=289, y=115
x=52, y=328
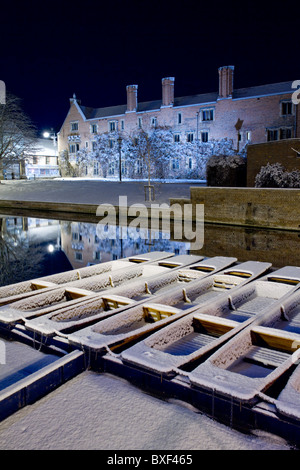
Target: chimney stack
x=226, y=81
x=131, y=98
x=168, y=91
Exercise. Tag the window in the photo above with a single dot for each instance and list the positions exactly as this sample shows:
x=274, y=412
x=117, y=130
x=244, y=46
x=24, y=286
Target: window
x=279, y=134
x=74, y=126
x=207, y=114
x=204, y=136
x=190, y=163
x=96, y=168
x=153, y=122
x=94, y=146
x=175, y=163
x=179, y=118
x=272, y=134
x=248, y=136
x=139, y=166
x=286, y=133
x=47, y=160
x=176, y=137
x=112, y=126
x=97, y=255
x=34, y=160
x=86, y=144
x=94, y=128
x=111, y=168
x=110, y=143
x=122, y=125
x=78, y=256
x=74, y=148
x=286, y=108
x=190, y=137
x=139, y=123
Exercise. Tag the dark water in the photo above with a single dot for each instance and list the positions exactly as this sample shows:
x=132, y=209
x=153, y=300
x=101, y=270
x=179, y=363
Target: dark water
x=37, y=246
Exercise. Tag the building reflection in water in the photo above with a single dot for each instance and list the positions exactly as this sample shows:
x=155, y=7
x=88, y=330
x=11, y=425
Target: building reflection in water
x=34, y=247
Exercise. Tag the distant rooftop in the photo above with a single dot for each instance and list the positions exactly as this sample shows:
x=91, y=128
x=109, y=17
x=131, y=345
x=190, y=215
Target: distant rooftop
x=199, y=99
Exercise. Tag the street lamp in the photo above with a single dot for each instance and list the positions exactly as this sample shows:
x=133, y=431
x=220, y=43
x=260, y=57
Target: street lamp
x=51, y=135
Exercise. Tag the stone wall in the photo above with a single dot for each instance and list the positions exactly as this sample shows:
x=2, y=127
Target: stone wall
x=250, y=207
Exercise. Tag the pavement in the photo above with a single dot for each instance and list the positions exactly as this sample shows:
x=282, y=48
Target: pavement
x=90, y=191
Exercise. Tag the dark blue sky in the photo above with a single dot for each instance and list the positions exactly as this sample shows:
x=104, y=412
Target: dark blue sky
x=96, y=48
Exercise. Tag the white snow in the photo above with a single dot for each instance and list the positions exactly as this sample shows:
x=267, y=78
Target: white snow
x=100, y=411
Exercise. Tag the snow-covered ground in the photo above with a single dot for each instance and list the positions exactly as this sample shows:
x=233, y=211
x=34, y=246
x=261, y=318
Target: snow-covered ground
x=101, y=411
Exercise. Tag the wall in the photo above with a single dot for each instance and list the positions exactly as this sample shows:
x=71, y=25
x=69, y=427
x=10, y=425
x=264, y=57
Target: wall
x=252, y=207
x=280, y=151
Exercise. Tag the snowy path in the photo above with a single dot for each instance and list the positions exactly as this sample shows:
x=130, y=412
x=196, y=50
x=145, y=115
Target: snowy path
x=89, y=191
x=100, y=411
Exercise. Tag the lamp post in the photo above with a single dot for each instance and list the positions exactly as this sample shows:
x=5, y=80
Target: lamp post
x=120, y=158
x=52, y=136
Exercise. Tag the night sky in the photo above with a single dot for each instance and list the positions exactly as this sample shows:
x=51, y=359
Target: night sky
x=50, y=50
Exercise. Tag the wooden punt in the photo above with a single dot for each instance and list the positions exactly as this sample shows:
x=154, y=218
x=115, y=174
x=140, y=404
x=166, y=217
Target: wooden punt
x=111, y=302
x=191, y=339
x=254, y=361
x=48, y=301
x=24, y=289
x=137, y=321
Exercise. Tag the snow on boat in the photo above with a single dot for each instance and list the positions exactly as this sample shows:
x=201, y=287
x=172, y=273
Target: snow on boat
x=141, y=320
x=24, y=289
x=109, y=303
x=73, y=293
x=193, y=338
x=254, y=360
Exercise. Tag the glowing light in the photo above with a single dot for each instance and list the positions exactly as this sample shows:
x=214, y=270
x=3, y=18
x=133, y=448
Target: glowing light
x=50, y=248
x=46, y=135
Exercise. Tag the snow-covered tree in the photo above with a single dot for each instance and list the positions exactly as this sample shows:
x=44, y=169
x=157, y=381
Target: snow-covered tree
x=275, y=176
x=17, y=133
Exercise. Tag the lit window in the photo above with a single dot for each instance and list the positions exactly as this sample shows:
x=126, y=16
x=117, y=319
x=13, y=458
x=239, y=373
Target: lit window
x=248, y=136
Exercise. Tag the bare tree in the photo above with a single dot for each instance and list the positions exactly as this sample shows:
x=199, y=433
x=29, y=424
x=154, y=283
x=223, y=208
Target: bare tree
x=17, y=133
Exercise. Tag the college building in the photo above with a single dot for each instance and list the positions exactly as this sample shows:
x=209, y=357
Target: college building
x=253, y=115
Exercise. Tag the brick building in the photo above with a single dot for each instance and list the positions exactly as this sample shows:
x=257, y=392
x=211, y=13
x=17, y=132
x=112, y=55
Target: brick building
x=244, y=116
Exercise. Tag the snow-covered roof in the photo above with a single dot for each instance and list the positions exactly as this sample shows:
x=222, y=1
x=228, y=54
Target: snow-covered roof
x=193, y=100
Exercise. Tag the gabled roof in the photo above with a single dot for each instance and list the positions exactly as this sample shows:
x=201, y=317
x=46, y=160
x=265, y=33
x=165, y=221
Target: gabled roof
x=193, y=100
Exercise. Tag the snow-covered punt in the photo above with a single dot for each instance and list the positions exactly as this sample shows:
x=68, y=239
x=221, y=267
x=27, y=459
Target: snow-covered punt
x=73, y=293
x=168, y=276
x=253, y=360
x=24, y=289
x=141, y=320
x=192, y=338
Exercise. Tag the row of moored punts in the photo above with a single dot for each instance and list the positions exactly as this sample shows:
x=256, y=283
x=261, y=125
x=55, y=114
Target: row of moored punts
x=215, y=325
